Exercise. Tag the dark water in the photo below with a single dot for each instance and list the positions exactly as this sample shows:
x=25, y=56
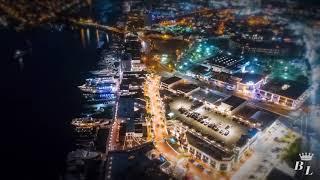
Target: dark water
x=41, y=99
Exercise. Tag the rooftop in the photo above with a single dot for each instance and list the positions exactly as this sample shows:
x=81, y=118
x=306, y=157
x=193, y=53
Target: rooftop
x=265, y=44
x=287, y=88
x=234, y=101
x=132, y=111
x=247, y=111
x=171, y=80
x=206, y=95
x=222, y=76
x=249, y=77
x=185, y=87
x=134, y=164
x=207, y=148
x=200, y=69
x=264, y=118
x=226, y=61
x=126, y=107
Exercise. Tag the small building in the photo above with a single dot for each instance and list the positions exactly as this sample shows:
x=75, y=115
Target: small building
x=208, y=97
x=200, y=72
x=245, y=83
x=268, y=48
x=223, y=79
x=210, y=149
x=287, y=93
x=131, y=112
x=132, y=82
x=248, y=83
x=226, y=63
x=185, y=88
x=219, y=159
x=169, y=82
x=231, y=104
x=133, y=164
x=263, y=119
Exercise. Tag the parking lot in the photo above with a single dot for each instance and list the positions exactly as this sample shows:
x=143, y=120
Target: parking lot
x=210, y=124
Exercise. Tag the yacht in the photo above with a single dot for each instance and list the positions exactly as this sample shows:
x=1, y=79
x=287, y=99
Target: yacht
x=99, y=85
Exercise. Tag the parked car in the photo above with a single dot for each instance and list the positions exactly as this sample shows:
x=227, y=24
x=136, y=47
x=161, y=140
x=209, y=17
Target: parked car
x=226, y=133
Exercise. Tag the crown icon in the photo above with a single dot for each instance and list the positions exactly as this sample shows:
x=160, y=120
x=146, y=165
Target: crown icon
x=306, y=156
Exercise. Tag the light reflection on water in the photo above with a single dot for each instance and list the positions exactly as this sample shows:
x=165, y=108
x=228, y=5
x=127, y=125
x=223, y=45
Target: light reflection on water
x=93, y=37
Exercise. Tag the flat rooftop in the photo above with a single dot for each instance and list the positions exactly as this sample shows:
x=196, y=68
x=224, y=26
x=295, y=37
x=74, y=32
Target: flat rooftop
x=171, y=80
x=226, y=61
x=207, y=148
x=264, y=118
x=134, y=164
x=200, y=70
x=249, y=77
x=185, y=87
x=229, y=141
x=129, y=113
x=234, y=101
x=222, y=76
x=126, y=107
x=207, y=95
x=246, y=111
x=287, y=88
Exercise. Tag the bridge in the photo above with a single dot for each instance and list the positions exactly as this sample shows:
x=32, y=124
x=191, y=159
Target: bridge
x=90, y=23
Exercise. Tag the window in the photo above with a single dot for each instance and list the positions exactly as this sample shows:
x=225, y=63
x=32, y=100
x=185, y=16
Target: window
x=213, y=163
x=205, y=159
x=223, y=167
x=191, y=150
x=282, y=98
x=198, y=155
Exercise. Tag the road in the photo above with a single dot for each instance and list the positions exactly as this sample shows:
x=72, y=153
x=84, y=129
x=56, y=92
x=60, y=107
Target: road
x=160, y=133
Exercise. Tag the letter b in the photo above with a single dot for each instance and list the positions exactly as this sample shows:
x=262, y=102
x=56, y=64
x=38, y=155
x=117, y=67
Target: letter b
x=298, y=166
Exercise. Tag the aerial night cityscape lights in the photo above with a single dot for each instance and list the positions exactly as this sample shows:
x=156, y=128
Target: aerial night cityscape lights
x=161, y=89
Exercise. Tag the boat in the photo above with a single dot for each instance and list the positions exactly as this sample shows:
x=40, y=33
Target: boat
x=99, y=85
x=99, y=97
x=86, y=122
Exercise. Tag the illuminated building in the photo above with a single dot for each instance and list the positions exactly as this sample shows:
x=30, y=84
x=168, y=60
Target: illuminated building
x=270, y=48
x=169, y=82
x=132, y=114
x=147, y=19
x=287, y=93
x=132, y=83
x=200, y=72
x=132, y=108
x=226, y=63
x=248, y=83
x=179, y=86
x=133, y=47
x=208, y=149
x=222, y=79
x=258, y=21
x=126, y=6
x=231, y=104
x=185, y=88
x=245, y=83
